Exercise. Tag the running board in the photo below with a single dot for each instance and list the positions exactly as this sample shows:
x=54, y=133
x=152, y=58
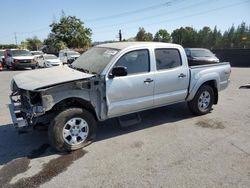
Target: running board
x=129, y=120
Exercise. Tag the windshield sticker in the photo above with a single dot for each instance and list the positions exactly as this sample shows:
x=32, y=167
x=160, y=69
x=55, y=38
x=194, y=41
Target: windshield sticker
x=109, y=53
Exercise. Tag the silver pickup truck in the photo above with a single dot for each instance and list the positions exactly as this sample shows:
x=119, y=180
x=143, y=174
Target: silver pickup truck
x=112, y=80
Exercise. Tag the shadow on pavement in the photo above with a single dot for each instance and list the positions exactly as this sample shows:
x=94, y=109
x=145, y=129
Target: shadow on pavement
x=35, y=144
x=13, y=145
x=150, y=118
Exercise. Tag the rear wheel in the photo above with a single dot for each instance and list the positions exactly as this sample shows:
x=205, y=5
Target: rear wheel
x=72, y=129
x=203, y=101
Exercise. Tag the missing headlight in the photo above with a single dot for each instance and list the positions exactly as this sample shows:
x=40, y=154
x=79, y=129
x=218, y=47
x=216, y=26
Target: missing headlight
x=35, y=97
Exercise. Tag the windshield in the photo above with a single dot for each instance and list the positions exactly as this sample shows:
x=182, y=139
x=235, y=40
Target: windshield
x=37, y=53
x=20, y=53
x=94, y=60
x=73, y=53
x=202, y=53
x=50, y=57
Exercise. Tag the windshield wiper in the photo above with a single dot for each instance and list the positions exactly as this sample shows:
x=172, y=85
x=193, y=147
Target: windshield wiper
x=79, y=69
x=82, y=70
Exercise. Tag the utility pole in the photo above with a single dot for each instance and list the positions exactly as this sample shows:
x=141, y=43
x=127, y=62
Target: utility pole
x=120, y=35
x=15, y=38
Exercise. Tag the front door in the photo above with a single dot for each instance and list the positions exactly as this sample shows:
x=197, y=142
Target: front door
x=134, y=92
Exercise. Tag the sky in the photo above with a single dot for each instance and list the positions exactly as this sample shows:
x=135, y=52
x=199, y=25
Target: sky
x=28, y=18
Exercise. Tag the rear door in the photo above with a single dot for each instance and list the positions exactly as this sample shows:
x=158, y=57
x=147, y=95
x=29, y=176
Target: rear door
x=171, y=78
x=134, y=92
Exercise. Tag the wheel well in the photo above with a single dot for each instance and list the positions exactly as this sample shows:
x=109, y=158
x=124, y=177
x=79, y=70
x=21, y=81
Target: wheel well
x=212, y=84
x=74, y=102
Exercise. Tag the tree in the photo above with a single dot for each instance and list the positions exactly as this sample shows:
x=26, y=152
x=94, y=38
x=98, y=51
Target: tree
x=241, y=36
x=162, y=36
x=204, y=38
x=142, y=35
x=32, y=43
x=71, y=31
x=186, y=37
x=216, y=38
x=7, y=46
x=228, y=39
x=53, y=45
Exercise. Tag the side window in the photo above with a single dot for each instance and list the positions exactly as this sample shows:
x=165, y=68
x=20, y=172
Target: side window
x=136, y=61
x=8, y=53
x=167, y=58
x=188, y=53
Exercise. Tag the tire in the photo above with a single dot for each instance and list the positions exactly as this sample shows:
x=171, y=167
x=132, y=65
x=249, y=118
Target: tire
x=203, y=101
x=72, y=129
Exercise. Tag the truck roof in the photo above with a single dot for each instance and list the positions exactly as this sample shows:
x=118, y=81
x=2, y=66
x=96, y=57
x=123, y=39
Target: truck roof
x=196, y=48
x=123, y=45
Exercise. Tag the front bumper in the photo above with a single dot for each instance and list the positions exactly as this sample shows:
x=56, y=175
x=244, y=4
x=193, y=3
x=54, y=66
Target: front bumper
x=23, y=114
x=18, y=117
x=24, y=65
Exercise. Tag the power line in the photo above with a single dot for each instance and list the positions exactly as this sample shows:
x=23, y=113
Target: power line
x=115, y=16
x=168, y=3
x=128, y=13
x=155, y=16
x=34, y=31
x=26, y=32
x=190, y=15
x=203, y=12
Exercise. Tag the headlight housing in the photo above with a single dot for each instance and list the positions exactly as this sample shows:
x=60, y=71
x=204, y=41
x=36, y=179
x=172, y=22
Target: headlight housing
x=33, y=61
x=13, y=86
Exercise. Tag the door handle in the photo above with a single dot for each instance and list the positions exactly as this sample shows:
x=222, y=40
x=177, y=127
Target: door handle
x=148, y=80
x=182, y=75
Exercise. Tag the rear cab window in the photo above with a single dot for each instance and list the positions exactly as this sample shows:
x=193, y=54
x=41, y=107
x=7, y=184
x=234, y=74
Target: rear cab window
x=167, y=58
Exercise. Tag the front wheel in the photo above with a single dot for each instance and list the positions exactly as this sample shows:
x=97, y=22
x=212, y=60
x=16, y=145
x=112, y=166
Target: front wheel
x=203, y=101
x=72, y=129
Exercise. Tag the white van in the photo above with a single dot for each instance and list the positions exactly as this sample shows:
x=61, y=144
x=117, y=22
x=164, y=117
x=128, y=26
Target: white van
x=68, y=56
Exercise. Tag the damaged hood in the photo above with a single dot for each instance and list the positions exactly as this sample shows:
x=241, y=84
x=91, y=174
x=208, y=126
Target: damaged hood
x=36, y=79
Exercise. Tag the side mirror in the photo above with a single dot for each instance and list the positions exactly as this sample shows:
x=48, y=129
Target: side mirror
x=119, y=71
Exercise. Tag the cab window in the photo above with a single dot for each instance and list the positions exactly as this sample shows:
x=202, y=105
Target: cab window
x=167, y=58
x=136, y=61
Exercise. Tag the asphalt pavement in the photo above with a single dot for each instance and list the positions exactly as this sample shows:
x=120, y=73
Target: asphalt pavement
x=170, y=148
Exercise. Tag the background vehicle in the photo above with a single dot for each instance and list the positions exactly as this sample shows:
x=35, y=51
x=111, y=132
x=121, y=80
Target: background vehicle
x=68, y=56
x=17, y=59
x=2, y=57
x=36, y=53
x=200, y=56
x=48, y=60
x=112, y=80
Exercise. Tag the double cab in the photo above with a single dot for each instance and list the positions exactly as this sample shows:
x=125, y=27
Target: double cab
x=112, y=80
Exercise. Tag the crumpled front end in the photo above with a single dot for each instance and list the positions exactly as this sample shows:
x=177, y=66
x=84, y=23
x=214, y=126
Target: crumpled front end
x=25, y=106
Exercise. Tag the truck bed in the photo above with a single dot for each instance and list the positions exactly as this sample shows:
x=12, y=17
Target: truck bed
x=198, y=74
